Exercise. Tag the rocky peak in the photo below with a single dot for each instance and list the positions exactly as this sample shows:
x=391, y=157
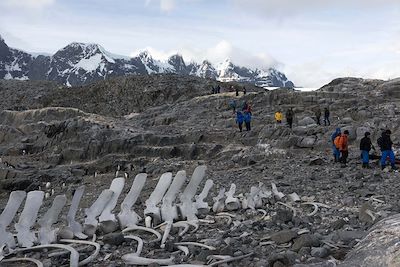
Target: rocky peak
x=4, y=50
x=178, y=63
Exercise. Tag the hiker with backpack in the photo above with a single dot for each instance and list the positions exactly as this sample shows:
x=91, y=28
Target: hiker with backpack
x=335, y=150
x=341, y=142
x=365, y=146
x=239, y=119
x=289, y=117
x=317, y=113
x=385, y=144
x=326, y=116
x=247, y=120
x=232, y=105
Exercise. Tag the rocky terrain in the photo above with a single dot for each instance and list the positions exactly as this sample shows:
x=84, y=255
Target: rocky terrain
x=79, y=63
x=82, y=135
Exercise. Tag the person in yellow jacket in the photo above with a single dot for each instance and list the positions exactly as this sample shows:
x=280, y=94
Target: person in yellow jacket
x=278, y=116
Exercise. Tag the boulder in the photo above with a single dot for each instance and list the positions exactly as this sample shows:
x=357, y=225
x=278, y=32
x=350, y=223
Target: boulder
x=306, y=240
x=307, y=142
x=379, y=248
x=284, y=236
x=306, y=121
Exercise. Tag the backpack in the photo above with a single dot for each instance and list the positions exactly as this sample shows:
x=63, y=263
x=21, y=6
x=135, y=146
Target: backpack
x=338, y=141
x=334, y=135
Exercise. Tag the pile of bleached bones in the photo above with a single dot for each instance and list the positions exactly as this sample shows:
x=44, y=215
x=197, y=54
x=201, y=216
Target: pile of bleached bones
x=161, y=207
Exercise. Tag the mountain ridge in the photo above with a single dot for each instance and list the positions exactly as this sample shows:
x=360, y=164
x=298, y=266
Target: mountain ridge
x=81, y=63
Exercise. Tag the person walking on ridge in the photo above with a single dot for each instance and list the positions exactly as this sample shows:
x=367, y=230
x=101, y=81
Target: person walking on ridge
x=342, y=143
x=289, y=117
x=247, y=120
x=335, y=150
x=385, y=144
x=365, y=147
x=318, y=115
x=239, y=120
x=326, y=116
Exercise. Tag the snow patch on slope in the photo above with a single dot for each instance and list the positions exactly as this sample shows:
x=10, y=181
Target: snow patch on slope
x=89, y=64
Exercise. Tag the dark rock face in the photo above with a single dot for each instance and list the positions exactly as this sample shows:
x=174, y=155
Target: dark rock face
x=78, y=64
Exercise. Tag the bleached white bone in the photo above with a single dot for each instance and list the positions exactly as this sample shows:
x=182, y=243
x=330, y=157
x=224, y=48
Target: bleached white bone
x=187, y=207
x=95, y=210
x=141, y=228
x=75, y=226
x=167, y=230
x=294, y=197
x=195, y=244
x=253, y=200
x=8, y=214
x=168, y=209
x=245, y=201
x=46, y=234
x=73, y=258
x=152, y=210
x=139, y=245
x=264, y=193
x=32, y=260
x=127, y=217
x=92, y=256
x=276, y=193
x=201, y=205
x=107, y=219
x=231, y=202
x=25, y=237
x=184, y=249
x=135, y=259
x=219, y=203
x=257, y=199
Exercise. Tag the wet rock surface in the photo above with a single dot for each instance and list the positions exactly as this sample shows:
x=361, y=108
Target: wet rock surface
x=83, y=143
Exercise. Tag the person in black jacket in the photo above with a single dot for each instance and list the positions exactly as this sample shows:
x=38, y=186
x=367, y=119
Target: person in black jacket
x=326, y=116
x=385, y=144
x=365, y=147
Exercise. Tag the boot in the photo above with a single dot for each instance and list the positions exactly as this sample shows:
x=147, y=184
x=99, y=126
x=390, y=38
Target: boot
x=394, y=167
x=383, y=167
x=364, y=165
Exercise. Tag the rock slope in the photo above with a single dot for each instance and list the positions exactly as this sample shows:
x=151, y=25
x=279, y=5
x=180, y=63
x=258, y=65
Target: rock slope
x=67, y=139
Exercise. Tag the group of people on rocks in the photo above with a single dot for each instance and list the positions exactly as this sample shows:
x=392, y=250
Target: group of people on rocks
x=217, y=89
x=318, y=113
x=341, y=150
x=290, y=115
x=243, y=115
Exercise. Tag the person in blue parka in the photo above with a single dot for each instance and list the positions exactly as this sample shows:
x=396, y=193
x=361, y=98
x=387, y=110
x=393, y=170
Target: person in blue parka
x=239, y=119
x=247, y=120
x=335, y=150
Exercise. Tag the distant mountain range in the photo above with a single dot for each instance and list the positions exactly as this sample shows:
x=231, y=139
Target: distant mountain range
x=79, y=63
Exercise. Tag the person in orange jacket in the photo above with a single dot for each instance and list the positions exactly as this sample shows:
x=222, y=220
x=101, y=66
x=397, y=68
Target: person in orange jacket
x=341, y=142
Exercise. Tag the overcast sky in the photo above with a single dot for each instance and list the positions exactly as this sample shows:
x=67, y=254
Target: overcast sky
x=311, y=41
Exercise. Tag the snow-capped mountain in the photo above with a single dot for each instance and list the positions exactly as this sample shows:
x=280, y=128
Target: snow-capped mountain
x=80, y=63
